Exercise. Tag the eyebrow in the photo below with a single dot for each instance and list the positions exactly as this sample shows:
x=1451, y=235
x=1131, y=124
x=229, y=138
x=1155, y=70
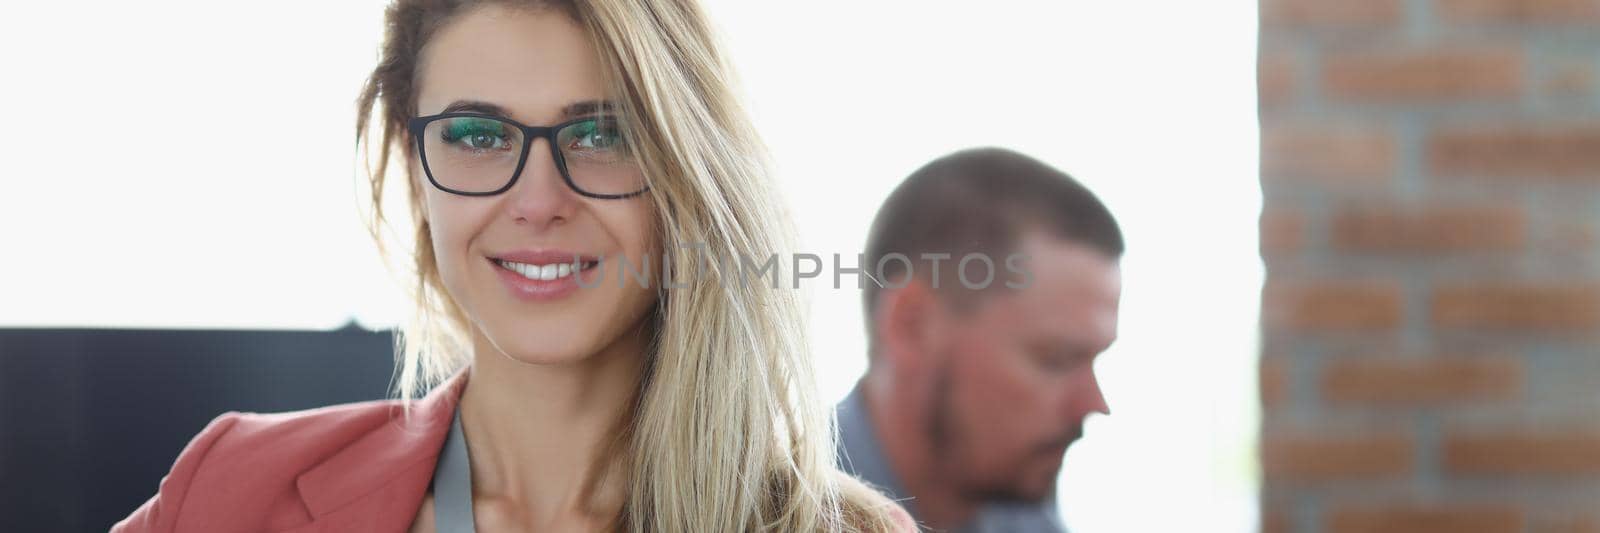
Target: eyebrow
x=573, y=110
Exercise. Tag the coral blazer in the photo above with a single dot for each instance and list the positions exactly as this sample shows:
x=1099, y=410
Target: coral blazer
x=350, y=468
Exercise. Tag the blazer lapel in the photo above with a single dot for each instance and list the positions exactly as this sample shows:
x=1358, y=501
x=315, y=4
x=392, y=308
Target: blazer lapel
x=389, y=508
x=377, y=482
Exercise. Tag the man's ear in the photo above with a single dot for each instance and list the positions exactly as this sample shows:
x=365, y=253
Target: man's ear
x=909, y=322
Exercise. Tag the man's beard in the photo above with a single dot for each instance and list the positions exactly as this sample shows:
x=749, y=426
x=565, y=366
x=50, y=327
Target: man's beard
x=945, y=437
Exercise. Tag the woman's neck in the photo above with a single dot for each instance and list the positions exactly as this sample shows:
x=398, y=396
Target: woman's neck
x=544, y=438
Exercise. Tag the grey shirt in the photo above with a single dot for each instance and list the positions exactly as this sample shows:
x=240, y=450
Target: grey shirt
x=861, y=455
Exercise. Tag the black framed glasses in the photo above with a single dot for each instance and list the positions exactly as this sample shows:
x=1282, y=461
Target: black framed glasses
x=476, y=154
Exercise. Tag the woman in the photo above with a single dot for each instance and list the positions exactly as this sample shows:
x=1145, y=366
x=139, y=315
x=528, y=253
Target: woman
x=543, y=142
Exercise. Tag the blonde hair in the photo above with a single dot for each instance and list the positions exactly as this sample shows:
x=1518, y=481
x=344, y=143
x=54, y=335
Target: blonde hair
x=737, y=438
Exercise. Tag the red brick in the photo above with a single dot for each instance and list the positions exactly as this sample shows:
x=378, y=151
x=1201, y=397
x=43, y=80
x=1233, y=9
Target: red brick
x=1274, y=380
x=1282, y=231
x=1569, y=78
x=1423, y=75
x=1567, y=521
x=1523, y=453
x=1519, y=11
x=1306, y=14
x=1437, y=518
x=1561, y=151
x=1570, y=235
x=1274, y=79
x=1431, y=229
x=1276, y=520
x=1432, y=380
x=1332, y=305
x=1334, y=457
x=1546, y=307
x=1327, y=153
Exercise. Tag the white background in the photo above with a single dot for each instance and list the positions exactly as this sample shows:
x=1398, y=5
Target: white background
x=189, y=164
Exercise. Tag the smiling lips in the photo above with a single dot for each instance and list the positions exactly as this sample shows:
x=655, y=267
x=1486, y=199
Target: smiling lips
x=546, y=272
x=545, y=265
x=541, y=275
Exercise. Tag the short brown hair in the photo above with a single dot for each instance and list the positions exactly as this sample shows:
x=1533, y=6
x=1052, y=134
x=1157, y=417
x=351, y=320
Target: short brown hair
x=982, y=200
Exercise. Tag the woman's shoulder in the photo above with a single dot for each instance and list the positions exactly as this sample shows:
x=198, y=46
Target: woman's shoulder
x=320, y=425
x=253, y=456
x=287, y=434
x=290, y=440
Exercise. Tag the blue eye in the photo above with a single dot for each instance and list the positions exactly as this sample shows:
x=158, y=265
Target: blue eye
x=593, y=135
x=477, y=133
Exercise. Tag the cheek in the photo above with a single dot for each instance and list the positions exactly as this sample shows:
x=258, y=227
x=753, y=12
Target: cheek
x=1003, y=378
x=632, y=224
x=1007, y=397
x=448, y=262
x=445, y=227
x=626, y=228
x=994, y=389
x=451, y=226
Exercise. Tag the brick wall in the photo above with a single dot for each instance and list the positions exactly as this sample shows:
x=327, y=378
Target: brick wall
x=1431, y=229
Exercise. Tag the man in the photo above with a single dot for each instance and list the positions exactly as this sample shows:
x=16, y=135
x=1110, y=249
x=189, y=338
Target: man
x=974, y=391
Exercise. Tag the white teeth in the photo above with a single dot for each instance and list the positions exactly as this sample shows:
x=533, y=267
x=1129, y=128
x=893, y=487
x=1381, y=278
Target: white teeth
x=542, y=272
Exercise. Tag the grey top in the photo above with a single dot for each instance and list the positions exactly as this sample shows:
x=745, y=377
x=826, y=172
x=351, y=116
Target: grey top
x=452, y=483
x=861, y=455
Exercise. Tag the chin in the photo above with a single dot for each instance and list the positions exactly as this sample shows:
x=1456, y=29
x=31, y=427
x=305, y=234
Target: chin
x=544, y=356
x=1039, y=490
x=1023, y=492
x=1029, y=493
x=552, y=344
x=1033, y=486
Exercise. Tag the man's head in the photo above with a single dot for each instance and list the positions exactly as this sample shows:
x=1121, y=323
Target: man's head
x=1006, y=373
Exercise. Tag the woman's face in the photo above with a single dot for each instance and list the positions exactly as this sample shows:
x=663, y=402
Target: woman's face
x=539, y=69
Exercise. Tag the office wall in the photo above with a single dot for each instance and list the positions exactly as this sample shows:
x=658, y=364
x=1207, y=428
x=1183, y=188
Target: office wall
x=91, y=419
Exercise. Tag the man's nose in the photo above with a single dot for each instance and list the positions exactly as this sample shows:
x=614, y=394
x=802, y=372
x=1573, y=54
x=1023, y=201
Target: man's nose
x=1088, y=398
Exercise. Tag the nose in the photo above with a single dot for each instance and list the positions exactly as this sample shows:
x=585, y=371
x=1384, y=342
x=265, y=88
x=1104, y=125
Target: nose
x=1097, y=397
x=1086, y=397
x=540, y=197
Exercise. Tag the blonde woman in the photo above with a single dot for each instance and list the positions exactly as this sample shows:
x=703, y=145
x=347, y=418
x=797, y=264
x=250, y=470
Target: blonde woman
x=546, y=145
